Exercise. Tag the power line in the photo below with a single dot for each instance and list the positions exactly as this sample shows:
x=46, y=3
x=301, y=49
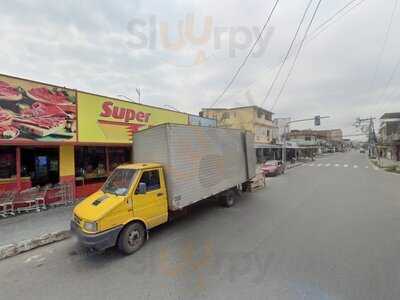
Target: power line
x=320, y=28
x=333, y=18
x=383, y=45
x=392, y=75
x=247, y=56
x=287, y=53
x=325, y=24
x=297, y=55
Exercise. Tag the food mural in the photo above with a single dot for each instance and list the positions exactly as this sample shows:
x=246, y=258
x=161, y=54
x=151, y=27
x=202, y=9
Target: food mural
x=34, y=111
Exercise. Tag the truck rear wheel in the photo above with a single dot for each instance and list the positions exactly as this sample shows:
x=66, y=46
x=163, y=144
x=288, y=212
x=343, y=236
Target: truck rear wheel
x=228, y=199
x=131, y=238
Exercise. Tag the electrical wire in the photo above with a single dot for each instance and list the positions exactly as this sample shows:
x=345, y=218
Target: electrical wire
x=287, y=53
x=382, y=51
x=333, y=19
x=247, y=56
x=326, y=24
x=297, y=56
x=392, y=75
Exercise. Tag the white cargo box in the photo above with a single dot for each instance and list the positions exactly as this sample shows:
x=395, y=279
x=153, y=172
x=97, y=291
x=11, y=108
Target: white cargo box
x=199, y=162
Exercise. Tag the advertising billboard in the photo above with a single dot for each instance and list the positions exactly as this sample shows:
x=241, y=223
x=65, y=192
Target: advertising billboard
x=200, y=121
x=105, y=120
x=36, y=112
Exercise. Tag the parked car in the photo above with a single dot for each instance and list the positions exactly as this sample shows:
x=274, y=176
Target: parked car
x=273, y=168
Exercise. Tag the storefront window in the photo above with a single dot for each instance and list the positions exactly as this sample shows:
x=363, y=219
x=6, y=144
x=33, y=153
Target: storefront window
x=7, y=162
x=90, y=162
x=118, y=156
x=41, y=165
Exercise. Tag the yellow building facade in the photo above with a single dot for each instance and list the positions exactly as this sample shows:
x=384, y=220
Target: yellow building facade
x=252, y=118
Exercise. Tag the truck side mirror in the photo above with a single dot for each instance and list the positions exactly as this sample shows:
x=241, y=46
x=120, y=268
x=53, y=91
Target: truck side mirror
x=141, y=189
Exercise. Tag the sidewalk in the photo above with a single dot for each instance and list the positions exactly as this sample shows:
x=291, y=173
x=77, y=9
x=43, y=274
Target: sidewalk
x=385, y=163
x=27, y=231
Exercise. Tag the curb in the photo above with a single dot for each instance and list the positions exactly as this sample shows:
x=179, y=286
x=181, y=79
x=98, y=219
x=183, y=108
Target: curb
x=295, y=165
x=27, y=245
x=381, y=169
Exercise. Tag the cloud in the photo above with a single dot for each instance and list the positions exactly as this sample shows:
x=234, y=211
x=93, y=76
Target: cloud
x=88, y=45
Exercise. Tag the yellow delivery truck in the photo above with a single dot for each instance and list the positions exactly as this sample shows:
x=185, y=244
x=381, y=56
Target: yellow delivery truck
x=175, y=167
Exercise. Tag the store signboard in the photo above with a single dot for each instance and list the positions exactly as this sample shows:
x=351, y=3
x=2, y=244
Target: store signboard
x=200, y=121
x=105, y=120
x=36, y=112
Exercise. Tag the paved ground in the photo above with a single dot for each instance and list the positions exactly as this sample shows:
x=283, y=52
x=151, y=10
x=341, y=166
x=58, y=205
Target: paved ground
x=30, y=225
x=318, y=232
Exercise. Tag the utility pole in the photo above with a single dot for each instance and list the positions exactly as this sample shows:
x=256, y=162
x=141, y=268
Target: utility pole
x=139, y=93
x=317, y=122
x=368, y=128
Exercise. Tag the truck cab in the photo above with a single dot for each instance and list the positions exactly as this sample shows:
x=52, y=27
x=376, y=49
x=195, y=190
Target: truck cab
x=131, y=201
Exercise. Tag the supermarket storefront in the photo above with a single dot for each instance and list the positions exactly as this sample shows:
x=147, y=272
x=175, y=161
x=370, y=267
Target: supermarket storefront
x=51, y=135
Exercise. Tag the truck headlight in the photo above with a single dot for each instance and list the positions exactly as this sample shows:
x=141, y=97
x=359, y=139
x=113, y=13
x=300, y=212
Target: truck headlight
x=90, y=226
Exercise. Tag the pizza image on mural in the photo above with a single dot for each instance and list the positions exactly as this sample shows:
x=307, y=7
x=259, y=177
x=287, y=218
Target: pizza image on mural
x=6, y=117
x=8, y=132
x=36, y=111
x=9, y=93
x=40, y=126
x=52, y=97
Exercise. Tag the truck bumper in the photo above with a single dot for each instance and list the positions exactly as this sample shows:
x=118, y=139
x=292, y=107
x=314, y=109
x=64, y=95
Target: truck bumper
x=99, y=241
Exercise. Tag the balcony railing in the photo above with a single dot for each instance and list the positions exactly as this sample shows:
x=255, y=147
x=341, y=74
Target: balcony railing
x=391, y=138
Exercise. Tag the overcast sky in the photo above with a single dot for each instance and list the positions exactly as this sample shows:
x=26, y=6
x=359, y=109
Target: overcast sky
x=112, y=47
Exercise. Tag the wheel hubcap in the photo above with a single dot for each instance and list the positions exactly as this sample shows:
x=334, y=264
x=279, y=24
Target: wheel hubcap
x=133, y=238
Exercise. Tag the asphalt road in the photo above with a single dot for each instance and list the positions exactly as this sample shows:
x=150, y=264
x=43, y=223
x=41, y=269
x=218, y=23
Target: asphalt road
x=327, y=230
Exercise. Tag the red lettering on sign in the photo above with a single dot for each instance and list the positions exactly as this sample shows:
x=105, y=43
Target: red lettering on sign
x=130, y=115
x=109, y=110
x=106, y=109
x=140, y=116
x=118, y=113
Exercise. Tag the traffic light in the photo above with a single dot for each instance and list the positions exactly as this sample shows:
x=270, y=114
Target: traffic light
x=317, y=120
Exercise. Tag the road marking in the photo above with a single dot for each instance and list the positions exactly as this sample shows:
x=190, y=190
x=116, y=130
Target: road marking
x=337, y=165
x=327, y=165
x=355, y=166
x=35, y=258
x=319, y=165
x=311, y=165
x=345, y=166
x=366, y=167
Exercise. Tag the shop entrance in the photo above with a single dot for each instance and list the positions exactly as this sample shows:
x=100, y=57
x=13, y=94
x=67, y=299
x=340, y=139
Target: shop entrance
x=41, y=165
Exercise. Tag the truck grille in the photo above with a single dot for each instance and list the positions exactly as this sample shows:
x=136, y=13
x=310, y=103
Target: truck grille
x=77, y=220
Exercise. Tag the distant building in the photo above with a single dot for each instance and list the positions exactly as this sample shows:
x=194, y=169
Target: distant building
x=327, y=140
x=279, y=129
x=389, y=140
x=252, y=118
x=333, y=135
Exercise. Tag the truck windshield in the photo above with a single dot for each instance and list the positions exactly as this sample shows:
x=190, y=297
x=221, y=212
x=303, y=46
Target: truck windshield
x=119, y=182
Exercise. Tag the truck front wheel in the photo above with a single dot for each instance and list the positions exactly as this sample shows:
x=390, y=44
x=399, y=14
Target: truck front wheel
x=131, y=238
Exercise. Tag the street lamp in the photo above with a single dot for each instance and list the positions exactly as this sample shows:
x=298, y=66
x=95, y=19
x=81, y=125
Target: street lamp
x=170, y=107
x=316, y=119
x=138, y=92
x=126, y=97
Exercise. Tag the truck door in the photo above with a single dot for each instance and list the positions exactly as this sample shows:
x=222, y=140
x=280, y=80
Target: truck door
x=151, y=206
